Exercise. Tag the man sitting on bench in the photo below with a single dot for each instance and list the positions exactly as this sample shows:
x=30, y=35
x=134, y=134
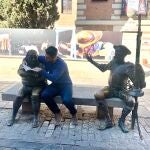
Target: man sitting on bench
x=33, y=83
x=120, y=73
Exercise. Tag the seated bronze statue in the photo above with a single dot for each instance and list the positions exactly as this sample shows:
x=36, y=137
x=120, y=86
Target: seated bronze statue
x=118, y=85
x=32, y=83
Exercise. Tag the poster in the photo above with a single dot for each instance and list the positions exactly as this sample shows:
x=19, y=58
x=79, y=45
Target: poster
x=142, y=9
x=71, y=44
x=99, y=44
x=20, y=41
x=140, y=6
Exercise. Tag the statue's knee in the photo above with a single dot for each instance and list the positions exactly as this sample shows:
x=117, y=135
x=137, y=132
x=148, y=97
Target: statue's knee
x=99, y=96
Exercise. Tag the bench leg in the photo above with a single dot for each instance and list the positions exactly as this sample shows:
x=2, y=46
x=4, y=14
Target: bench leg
x=111, y=112
x=26, y=107
x=100, y=113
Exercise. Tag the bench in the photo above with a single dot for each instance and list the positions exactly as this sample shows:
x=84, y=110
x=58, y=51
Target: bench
x=82, y=95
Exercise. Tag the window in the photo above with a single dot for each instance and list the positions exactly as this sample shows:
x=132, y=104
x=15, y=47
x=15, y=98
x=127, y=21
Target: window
x=67, y=6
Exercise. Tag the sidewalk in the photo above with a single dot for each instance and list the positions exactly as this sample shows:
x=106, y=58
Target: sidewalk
x=85, y=136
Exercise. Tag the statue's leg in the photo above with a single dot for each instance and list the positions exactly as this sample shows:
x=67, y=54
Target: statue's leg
x=35, y=106
x=16, y=105
x=100, y=98
x=104, y=108
x=23, y=92
x=128, y=108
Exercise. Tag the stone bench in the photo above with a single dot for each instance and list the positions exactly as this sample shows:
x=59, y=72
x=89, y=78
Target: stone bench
x=82, y=95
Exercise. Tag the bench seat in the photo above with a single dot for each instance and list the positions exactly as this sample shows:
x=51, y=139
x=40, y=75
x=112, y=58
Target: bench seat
x=82, y=95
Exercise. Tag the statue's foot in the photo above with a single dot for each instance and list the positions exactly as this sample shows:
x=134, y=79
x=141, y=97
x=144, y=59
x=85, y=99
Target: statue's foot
x=106, y=125
x=10, y=122
x=122, y=126
x=35, y=123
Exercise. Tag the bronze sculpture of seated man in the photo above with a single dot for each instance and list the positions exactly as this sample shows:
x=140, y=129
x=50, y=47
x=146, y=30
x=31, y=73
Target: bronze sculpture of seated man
x=120, y=73
x=32, y=83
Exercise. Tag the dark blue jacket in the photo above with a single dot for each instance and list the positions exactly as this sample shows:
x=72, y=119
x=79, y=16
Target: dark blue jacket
x=56, y=72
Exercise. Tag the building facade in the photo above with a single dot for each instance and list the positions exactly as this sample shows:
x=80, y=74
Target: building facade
x=105, y=15
x=102, y=15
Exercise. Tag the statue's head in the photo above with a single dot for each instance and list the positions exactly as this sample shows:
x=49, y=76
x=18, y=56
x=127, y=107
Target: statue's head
x=121, y=51
x=32, y=58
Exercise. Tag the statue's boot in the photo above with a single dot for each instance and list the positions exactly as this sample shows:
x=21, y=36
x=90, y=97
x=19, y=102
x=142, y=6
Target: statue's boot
x=108, y=121
x=16, y=105
x=35, y=109
x=121, y=122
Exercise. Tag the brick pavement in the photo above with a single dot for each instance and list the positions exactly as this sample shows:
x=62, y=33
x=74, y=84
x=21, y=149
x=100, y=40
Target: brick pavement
x=85, y=136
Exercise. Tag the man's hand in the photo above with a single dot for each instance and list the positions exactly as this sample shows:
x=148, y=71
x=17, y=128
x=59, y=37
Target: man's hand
x=36, y=69
x=89, y=57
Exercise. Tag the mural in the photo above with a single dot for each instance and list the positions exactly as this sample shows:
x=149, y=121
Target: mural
x=71, y=44
x=97, y=43
x=19, y=41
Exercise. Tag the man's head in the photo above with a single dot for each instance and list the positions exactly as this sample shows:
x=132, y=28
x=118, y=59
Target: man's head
x=121, y=51
x=32, y=58
x=51, y=54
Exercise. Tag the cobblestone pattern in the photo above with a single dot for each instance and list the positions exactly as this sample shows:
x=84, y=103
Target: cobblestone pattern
x=84, y=135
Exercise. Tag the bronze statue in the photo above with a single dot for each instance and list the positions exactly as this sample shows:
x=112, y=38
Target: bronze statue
x=118, y=85
x=32, y=83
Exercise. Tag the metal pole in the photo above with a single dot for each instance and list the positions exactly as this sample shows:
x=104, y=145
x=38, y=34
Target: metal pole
x=137, y=91
x=138, y=41
x=138, y=47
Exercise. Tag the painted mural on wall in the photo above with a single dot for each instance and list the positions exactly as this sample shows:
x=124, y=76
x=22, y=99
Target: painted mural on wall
x=96, y=43
x=19, y=41
x=71, y=44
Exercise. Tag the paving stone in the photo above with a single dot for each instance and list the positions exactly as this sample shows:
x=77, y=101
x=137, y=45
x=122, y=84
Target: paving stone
x=52, y=147
x=5, y=148
x=49, y=133
x=51, y=127
x=82, y=143
x=85, y=135
x=68, y=147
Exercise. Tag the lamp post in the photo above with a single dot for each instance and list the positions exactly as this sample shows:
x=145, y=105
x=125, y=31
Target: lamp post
x=136, y=92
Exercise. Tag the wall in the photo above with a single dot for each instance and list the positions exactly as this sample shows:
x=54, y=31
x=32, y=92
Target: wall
x=98, y=9
x=67, y=19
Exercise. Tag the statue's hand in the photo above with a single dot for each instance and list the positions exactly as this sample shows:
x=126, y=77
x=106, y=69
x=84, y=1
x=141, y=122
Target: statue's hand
x=89, y=57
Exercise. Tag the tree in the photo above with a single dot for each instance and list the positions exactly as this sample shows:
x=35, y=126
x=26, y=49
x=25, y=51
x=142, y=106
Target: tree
x=29, y=13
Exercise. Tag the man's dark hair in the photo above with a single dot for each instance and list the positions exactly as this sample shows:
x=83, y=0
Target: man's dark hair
x=52, y=51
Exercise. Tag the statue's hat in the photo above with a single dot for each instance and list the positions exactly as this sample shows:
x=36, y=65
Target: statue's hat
x=121, y=50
